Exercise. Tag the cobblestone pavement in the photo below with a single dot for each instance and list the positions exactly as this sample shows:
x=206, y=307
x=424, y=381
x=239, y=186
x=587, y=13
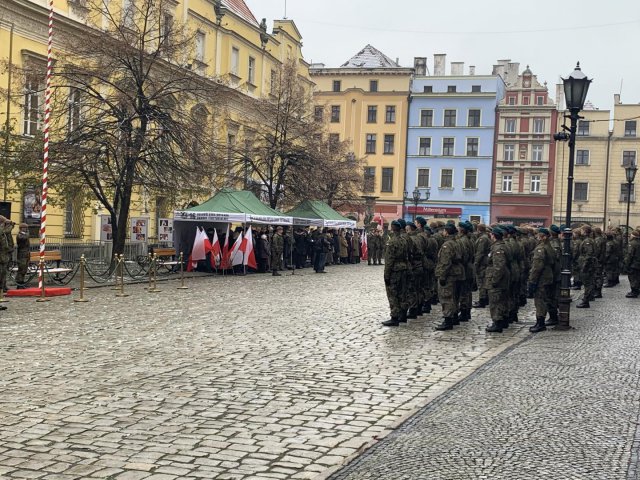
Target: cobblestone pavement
x=237, y=377
x=562, y=405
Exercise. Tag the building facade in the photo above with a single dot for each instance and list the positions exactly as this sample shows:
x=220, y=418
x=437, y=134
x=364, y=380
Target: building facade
x=450, y=140
x=366, y=100
x=525, y=153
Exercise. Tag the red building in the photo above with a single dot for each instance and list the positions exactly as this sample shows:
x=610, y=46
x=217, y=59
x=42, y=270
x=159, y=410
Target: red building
x=524, y=150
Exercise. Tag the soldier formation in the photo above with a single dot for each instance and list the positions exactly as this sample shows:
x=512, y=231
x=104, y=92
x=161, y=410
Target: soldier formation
x=444, y=263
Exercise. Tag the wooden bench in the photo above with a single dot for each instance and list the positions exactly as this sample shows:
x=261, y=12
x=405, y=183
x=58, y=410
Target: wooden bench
x=164, y=252
x=49, y=256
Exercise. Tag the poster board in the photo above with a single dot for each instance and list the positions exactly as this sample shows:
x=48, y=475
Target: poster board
x=139, y=230
x=32, y=205
x=106, y=230
x=165, y=230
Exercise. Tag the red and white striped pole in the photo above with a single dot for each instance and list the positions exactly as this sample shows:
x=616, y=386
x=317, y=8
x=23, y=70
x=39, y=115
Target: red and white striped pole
x=45, y=163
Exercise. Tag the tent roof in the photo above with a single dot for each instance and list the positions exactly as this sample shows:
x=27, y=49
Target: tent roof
x=229, y=200
x=315, y=209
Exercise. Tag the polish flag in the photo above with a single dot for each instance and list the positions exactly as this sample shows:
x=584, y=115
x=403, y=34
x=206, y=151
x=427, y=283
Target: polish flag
x=199, y=249
x=364, y=254
x=247, y=249
x=225, y=262
x=236, y=253
x=216, y=253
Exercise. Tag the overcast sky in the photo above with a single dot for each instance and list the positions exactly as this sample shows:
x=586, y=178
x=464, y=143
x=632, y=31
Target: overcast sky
x=549, y=35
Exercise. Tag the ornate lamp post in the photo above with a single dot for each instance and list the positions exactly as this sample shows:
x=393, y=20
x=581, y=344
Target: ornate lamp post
x=576, y=87
x=416, y=198
x=630, y=171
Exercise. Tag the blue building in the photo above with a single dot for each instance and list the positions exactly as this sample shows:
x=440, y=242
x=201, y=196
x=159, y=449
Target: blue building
x=450, y=141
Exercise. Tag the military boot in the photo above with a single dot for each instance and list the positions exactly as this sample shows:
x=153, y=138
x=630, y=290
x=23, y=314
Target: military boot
x=598, y=293
x=465, y=315
x=276, y=274
x=633, y=294
x=455, y=320
x=584, y=303
x=553, y=319
x=523, y=300
x=539, y=326
x=403, y=316
x=495, y=327
x=392, y=322
x=412, y=314
x=447, y=324
x=481, y=303
x=426, y=307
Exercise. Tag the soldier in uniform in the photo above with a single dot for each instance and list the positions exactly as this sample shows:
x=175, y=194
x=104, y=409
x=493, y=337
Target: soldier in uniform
x=632, y=264
x=380, y=243
x=556, y=245
x=277, y=249
x=395, y=275
x=497, y=282
x=449, y=271
x=600, y=244
x=480, y=261
x=576, y=242
x=515, y=255
x=416, y=272
x=611, y=260
x=542, y=279
x=22, y=242
x=468, y=255
x=587, y=264
x=428, y=264
x=372, y=243
x=621, y=254
x=6, y=249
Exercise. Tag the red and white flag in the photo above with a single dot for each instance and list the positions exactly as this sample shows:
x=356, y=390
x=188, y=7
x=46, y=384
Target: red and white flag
x=364, y=254
x=216, y=253
x=199, y=249
x=236, y=253
x=247, y=248
x=225, y=263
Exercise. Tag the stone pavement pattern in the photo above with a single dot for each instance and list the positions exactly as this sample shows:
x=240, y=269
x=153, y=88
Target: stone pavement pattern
x=237, y=377
x=562, y=405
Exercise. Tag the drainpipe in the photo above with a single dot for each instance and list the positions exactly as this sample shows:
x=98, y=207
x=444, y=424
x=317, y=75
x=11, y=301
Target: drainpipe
x=8, y=123
x=606, y=182
x=406, y=144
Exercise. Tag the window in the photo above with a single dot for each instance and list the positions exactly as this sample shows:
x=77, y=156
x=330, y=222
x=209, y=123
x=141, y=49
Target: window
x=511, y=100
x=583, y=128
x=476, y=88
x=335, y=113
x=536, y=153
x=73, y=119
x=451, y=89
x=426, y=118
x=472, y=147
x=318, y=113
x=387, y=179
x=373, y=85
x=337, y=85
x=624, y=190
x=536, y=182
x=427, y=89
x=540, y=100
x=200, y=42
x=471, y=179
x=32, y=108
x=73, y=216
x=525, y=100
x=510, y=125
x=235, y=61
x=274, y=82
x=449, y=118
x=334, y=140
x=507, y=183
x=165, y=29
x=128, y=14
x=448, y=144
x=628, y=158
x=423, y=178
x=389, y=141
x=372, y=114
x=582, y=157
x=390, y=114
x=630, y=128
x=538, y=125
x=370, y=146
x=475, y=218
x=474, y=118
x=369, y=179
x=252, y=71
x=446, y=178
x=581, y=191
x=425, y=146
x=509, y=152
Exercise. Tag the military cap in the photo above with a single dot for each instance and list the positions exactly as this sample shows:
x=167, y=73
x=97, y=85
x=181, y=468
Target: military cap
x=544, y=231
x=23, y=225
x=563, y=226
x=421, y=221
x=396, y=223
x=411, y=224
x=555, y=229
x=450, y=228
x=498, y=231
x=428, y=229
x=635, y=233
x=402, y=222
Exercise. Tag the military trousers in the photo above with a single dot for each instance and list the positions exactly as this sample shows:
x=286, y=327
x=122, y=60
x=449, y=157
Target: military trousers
x=634, y=279
x=465, y=294
x=276, y=261
x=414, y=287
x=498, y=304
x=543, y=299
x=448, y=295
x=23, y=265
x=428, y=284
x=4, y=271
x=396, y=286
x=589, y=283
x=483, y=294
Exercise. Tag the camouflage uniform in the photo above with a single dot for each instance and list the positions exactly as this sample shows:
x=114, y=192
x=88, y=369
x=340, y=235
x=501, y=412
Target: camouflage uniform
x=587, y=264
x=466, y=286
x=277, y=248
x=601, y=245
x=22, y=241
x=428, y=267
x=632, y=264
x=611, y=261
x=541, y=282
x=481, y=259
x=6, y=249
x=415, y=273
x=372, y=245
x=556, y=245
x=450, y=273
x=575, y=259
x=497, y=279
x=395, y=276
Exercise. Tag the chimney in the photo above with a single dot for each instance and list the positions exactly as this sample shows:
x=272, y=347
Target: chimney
x=457, y=68
x=616, y=99
x=504, y=62
x=560, y=105
x=513, y=70
x=498, y=69
x=420, y=66
x=439, y=63
x=472, y=69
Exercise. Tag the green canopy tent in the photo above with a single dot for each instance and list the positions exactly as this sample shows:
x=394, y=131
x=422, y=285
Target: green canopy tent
x=318, y=213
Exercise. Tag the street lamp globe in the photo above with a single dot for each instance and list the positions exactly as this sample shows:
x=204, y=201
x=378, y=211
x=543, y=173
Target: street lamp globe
x=416, y=195
x=576, y=86
x=631, y=171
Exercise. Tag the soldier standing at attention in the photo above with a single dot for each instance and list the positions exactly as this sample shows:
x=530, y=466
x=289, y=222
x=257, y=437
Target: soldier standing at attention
x=576, y=242
x=372, y=244
x=556, y=245
x=416, y=269
x=497, y=282
x=395, y=275
x=6, y=249
x=277, y=248
x=480, y=261
x=450, y=273
x=587, y=265
x=428, y=264
x=468, y=255
x=22, y=242
x=632, y=264
x=542, y=279
x=611, y=260
x=601, y=245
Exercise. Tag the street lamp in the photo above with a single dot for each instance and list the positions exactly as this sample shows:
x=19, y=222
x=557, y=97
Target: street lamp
x=576, y=87
x=630, y=171
x=416, y=198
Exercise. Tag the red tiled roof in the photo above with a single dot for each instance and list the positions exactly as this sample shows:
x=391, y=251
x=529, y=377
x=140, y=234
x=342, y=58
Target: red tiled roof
x=240, y=8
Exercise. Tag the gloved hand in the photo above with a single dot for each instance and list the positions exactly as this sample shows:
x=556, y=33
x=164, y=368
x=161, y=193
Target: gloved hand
x=442, y=282
x=532, y=287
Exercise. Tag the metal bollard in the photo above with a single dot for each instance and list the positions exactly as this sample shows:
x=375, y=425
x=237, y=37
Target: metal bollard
x=43, y=293
x=121, y=265
x=182, y=286
x=153, y=274
x=82, y=268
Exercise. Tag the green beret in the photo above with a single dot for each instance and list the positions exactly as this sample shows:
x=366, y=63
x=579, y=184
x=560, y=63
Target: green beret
x=555, y=229
x=411, y=224
x=544, y=231
x=421, y=221
x=498, y=231
x=396, y=223
x=402, y=222
x=450, y=228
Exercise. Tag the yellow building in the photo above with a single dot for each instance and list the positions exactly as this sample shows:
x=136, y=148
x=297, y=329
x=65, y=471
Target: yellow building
x=231, y=46
x=366, y=100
